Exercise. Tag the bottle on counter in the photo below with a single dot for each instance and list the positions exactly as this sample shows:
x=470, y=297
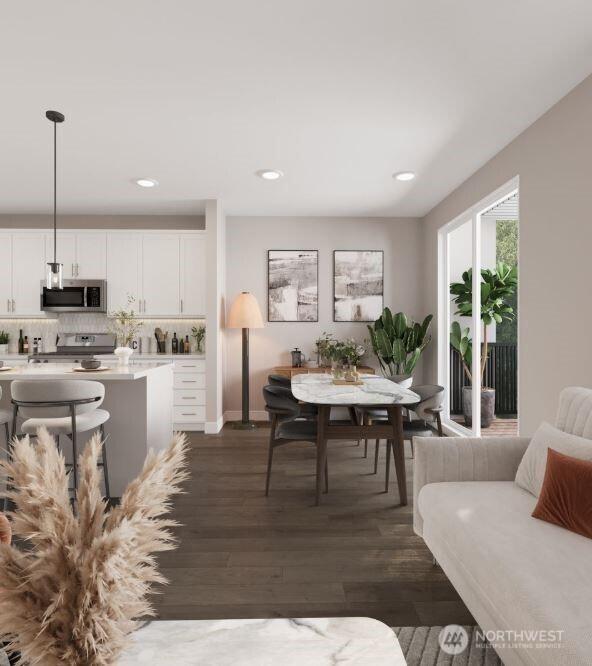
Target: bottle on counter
x=26, y=345
x=35, y=346
x=186, y=345
x=175, y=344
x=40, y=345
x=21, y=342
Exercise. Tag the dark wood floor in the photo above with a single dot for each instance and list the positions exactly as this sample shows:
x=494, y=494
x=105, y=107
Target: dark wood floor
x=244, y=555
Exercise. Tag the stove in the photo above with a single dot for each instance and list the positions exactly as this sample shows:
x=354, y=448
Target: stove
x=74, y=347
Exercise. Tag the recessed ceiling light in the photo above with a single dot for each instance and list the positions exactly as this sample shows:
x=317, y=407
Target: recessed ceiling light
x=269, y=174
x=404, y=175
x=146, y=182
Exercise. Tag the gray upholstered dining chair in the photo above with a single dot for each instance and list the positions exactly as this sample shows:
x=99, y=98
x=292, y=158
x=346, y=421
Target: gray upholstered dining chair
x=287, y=425
x=67, y=407
x=5, y=421
x=306, y=410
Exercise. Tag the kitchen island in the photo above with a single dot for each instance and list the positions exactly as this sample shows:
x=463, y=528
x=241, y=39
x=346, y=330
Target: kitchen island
x=139, y=399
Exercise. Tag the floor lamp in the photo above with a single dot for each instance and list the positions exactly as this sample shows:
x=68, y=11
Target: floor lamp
x=245, y=314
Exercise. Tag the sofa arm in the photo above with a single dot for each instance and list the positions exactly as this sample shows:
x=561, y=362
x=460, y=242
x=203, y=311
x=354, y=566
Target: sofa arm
x=463, y=459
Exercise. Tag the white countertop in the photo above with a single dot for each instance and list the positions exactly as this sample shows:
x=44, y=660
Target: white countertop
x=349, y=641
x=319, y=389
x=136, y=355
x=65, y=371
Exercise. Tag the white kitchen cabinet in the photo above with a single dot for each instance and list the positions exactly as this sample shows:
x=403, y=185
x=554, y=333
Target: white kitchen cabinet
x=124, y=274
x=66, y=252
x=193, y=274
x=91, y=256
x=28, y=270
x=160, y=275
x=5, y=274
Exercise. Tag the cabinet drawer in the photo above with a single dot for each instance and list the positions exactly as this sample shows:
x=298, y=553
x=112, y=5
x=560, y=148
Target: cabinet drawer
x=189, y=414
x=189, y=381
x=190, y=365
x=190, y=397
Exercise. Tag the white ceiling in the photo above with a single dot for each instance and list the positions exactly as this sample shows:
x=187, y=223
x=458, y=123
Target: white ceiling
x=338, y=94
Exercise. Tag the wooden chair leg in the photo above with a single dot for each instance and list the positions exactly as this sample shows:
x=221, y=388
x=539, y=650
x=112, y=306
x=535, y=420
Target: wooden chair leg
x=326, y=476
x=388, y=465
x=412, y=451
x=376, y=452
x=365, y=448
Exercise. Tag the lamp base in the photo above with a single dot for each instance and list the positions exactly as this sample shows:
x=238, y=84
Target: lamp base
x=243, y=425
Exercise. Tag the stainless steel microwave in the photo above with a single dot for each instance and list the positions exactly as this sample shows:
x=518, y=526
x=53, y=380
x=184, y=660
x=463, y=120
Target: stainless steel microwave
x=76, y=296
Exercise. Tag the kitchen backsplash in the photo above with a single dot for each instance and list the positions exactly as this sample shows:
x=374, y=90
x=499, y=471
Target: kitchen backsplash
x=47, y=329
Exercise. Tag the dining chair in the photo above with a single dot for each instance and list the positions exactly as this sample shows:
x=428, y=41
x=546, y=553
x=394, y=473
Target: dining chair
x=5, y=421
x=306, y=410
x=67, y=407
x=287, y=425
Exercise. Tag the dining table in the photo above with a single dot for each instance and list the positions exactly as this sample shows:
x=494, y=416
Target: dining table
x=371, y=392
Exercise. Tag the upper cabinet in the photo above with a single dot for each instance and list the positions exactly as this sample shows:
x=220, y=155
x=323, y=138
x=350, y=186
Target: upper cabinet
x=193, y=275
x=160, y=275
x=163, y=272
x=83, y=254
x=28, y=270
x=124, y=275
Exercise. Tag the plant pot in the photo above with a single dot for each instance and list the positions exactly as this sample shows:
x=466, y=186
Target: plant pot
x=123, y=355
x=403, y=380
x=4, y=349
x=487, y=406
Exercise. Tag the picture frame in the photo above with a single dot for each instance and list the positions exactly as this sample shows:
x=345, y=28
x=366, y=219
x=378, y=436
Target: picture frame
x=293, y=286
x=358, y=285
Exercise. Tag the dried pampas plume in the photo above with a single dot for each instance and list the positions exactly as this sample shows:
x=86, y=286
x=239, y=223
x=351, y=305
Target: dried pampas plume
x=74, y=595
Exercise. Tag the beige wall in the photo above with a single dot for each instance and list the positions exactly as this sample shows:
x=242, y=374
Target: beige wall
x=553, y=159
x=249, y=238
x=103, y=221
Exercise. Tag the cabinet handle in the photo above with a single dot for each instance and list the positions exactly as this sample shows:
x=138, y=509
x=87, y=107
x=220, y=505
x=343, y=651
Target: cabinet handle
x=181, y=306
x=189, y=381
x=188, y=397
x=72, y=270
x=8, y=305
x=13, y=306
x=76, y=269
x=190, y=414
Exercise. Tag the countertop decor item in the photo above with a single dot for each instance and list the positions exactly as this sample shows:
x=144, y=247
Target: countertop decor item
x=100, y=368
x=198, y=333
x=90, y=363
x=55, y=273
x=245, y=314
x=100, y=560
x=123, y=355
x=4, y=340
x=124, y=324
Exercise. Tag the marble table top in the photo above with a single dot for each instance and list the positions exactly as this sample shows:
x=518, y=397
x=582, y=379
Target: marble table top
x=319, y=389
x=278, y=642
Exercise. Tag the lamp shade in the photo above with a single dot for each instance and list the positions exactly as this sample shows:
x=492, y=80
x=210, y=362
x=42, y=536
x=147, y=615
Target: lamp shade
x=245, y=312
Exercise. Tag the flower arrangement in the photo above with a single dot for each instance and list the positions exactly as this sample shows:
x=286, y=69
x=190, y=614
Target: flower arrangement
x=198, y=333
x=75, y=594
x=4, y=337
x=124, y=325
x=323, y=346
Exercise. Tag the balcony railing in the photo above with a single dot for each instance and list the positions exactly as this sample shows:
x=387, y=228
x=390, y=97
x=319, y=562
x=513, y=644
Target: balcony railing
x=501, y=373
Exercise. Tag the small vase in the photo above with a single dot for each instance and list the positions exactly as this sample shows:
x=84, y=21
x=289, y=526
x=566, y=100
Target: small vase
x=351, y=373
x=123, y=355
x=337, y=370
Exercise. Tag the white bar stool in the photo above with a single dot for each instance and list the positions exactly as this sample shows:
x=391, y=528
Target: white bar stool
x=65, y=407
x=5, y=421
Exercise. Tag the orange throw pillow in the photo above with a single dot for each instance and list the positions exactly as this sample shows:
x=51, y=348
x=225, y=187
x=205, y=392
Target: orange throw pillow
x=566, y=495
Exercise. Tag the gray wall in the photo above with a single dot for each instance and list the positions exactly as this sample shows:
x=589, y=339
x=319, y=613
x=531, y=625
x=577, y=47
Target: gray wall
x=553, y=159
x=249, y=238
x=103, y=221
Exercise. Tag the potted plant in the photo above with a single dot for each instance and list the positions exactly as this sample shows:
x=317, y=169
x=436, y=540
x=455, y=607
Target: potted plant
x=398, y=343
x=497, y=287
x=125, y=327
x=323, y=349
x=4, y=338
x=198, y=333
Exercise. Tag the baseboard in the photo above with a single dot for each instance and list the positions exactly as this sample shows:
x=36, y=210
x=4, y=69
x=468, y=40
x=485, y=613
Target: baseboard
x=254, y=415
x=214, y=427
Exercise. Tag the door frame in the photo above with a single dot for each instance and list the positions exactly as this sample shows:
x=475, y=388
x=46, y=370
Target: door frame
x=472, y=214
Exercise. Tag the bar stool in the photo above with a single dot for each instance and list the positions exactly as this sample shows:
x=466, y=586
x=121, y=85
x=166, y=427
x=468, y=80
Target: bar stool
x=65, y=407
x=5, y=420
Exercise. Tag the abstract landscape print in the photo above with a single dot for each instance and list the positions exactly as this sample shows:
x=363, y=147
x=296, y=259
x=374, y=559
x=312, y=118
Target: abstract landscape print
x=293, y=285
x=357, y=285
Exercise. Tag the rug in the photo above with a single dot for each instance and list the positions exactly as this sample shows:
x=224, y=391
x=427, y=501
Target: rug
x=421, y=647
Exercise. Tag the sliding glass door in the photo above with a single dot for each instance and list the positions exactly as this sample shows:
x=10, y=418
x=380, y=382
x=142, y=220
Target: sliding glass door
x=478, y=315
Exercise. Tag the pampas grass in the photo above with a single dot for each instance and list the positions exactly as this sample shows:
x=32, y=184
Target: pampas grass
x=76, y=593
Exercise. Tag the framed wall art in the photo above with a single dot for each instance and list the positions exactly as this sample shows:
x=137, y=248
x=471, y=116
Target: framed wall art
x=358, y=285
x=292, y=285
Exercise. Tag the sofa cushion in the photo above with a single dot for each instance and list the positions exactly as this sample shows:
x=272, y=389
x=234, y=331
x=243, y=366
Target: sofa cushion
x=566, y=495
x=528, y=574
x=531, y=470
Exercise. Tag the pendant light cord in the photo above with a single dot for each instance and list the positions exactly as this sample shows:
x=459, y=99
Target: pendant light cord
x=55, y=189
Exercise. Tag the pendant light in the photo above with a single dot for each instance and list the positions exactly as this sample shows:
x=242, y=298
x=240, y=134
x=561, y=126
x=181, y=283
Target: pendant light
x=54, y=269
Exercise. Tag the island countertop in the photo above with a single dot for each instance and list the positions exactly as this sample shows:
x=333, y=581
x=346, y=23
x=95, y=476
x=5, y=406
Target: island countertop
x=66, y=371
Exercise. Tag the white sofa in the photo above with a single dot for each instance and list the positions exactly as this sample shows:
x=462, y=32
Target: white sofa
x=513, y=572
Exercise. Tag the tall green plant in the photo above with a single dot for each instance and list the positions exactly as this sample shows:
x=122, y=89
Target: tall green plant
x=497, y=287
x=398, y=342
